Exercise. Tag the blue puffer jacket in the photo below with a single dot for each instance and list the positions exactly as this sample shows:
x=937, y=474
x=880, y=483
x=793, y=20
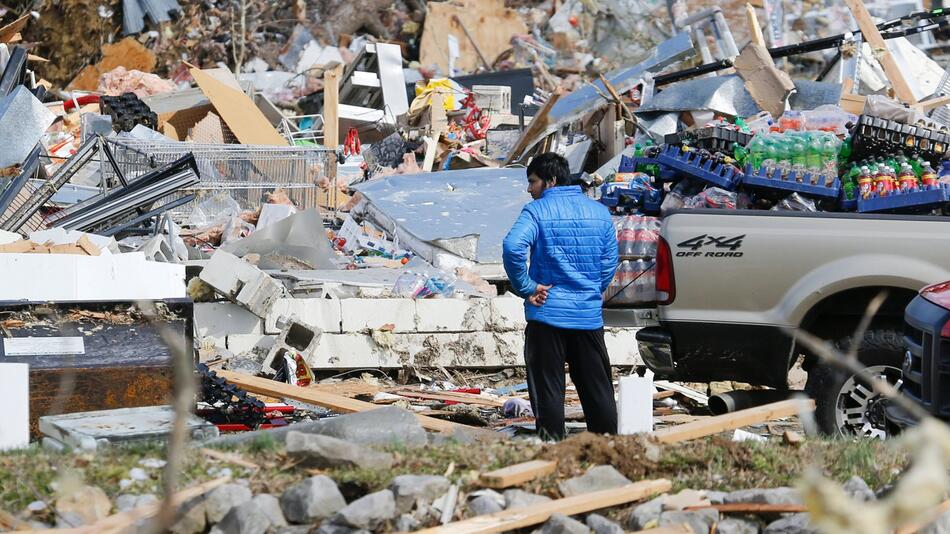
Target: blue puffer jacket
x=573, y=247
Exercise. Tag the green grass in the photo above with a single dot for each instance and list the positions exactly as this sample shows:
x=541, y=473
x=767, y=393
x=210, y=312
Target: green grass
x=713, y=463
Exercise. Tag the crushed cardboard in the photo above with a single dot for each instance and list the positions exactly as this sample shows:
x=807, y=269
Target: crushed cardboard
x=238, y=111
x=768, y=85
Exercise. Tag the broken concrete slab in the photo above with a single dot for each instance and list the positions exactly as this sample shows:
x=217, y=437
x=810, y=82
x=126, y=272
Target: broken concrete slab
x=312, y=500
x=242, y=283
x=507, y=314
x=325, y=314
x=452, y=315
x=385, y=426
x=296, y=338
x=218, y=320
x=361, y=315
x=88, y=430
x=319, y=451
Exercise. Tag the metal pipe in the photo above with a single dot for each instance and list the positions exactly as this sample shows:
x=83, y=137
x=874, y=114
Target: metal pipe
x=732, y=401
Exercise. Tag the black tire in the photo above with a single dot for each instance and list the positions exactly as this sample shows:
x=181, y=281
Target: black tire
x=882, y=347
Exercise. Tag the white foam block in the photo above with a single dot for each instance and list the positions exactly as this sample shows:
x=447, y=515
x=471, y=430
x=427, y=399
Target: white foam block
x=15, y=398
x=635, y=405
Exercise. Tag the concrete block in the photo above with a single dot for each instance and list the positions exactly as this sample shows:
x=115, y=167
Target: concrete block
x=622, y=346
x=295, y=336
x=256, y=343
x=507, y=314
x=319, y=312
x=242, y=283
x=452, y=315
x=361, y=315
x=219, y=320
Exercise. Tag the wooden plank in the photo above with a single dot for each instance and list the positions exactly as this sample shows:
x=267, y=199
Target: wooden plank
x=853, y=104
x=535, y=131
x=514, y=475
x=452, y=396
x=873, y=37
x=753, y=508
x=8, y=32
x=754, y=27
x=933, y=103
x=321, y=398
x=331, y=107
x=121, y=521
x=682, y=390
x=238, y=111
x=228, y=457
x=539, y=513
x=659, y=395
x=730, y=421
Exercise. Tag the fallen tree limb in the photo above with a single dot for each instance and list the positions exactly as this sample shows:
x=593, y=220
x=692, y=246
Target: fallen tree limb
x=539, y=513
x=730, y=421
x=332, y=401
x=517, y=474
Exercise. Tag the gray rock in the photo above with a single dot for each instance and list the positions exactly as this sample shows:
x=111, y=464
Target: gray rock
x=716, y=497
x=641, y=516
x=292, y=529
x=792, y=524
x=331, y=528
x=406, y=523
x=736, y=526
x=383, y=426
x=270, y=506
x=700, y=521
x=941, y=525
x=311, y=500
x=324, y=451
x=859, y=490
x=601, y=525
x=562, y=524
x=191, y=518
x=248, y=518
x=516, y=498
x=484, y=505
x=220, y=500
x=409, y=488
x=125, y=502
x=367, y=512
x=765, y=496
x=599, y=477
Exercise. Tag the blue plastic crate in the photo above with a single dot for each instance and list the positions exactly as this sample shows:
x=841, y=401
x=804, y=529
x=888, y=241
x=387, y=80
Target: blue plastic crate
x=790, y=183
x=628, y=164
x=649, y=201
x=695, y=166
x=915, y=201
x=845, y=204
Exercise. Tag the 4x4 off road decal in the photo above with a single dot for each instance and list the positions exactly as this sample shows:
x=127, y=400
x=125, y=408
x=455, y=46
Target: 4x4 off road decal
x=700, y=245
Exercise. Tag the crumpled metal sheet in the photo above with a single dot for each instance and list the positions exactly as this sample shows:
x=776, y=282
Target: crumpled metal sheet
x=23, y=120
x=299, y=237
x=449, y=217
x=660, y=124
x=728, y=95
x=587, y=100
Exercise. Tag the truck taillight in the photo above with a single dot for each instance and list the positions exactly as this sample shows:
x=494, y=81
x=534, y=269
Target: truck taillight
x=665, y=284
x=945, y=333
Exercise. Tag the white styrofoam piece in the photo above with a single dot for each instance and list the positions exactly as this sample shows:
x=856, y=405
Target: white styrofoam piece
x=635, y=405
x=452, y=315
x=70, y=277
x=15, y=398
x=324, y=314
x=271, y=213
x=359, y=315
x=742, y=435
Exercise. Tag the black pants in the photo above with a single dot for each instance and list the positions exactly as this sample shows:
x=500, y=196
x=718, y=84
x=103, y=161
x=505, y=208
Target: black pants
x=546, y=349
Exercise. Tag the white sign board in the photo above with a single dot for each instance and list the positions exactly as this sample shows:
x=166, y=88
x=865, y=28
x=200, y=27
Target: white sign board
x=635, y=405
x=43, y=346
x=15, y=398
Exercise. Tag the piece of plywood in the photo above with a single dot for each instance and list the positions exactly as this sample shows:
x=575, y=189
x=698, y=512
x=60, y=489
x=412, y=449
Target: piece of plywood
x=514, y=475
x=873, y=37
x=238, y=111
x=488, y=22
x=335, y=402
x=8, y=32
x=730, y=421
x=331, y=107
x=539, y=513
x=127, y=53
x=450, y=396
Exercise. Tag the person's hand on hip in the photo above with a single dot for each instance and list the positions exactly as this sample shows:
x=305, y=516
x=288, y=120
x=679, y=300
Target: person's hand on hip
x=540, y=295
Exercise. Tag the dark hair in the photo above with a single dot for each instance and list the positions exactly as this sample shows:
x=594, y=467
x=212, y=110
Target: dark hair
x=551, y=167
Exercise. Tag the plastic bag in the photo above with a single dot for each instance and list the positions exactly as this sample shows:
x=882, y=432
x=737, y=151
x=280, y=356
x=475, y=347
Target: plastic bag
x=415, y=285
x=637, y=236
x=795, y=202
x=714, y=197
x=634, y=283
x=214, y=210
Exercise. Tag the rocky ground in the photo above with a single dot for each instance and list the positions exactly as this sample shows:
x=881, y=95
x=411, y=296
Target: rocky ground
x=380, y=471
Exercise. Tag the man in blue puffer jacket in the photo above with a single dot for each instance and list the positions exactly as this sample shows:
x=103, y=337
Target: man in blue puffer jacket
x=573, y=256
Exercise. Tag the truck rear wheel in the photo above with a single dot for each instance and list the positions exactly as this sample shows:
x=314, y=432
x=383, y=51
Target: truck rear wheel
x=846, y=405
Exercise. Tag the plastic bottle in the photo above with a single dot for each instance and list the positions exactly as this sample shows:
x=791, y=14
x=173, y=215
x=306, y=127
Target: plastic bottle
x=928, y=177
x=865, y=182
x=647, y=235
x=829, y=155
x=907, y=179
x=798, y=146
x=626, y=237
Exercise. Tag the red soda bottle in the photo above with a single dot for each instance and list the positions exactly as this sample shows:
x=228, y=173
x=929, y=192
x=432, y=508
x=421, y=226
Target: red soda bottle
x=927, y=176
x=907, y=179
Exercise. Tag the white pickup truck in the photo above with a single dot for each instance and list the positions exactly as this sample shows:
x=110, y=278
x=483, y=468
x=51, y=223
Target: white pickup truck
x=735, y=286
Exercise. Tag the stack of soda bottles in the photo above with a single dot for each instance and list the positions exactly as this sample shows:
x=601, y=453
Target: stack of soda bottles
x=889, y=175
x=798, y=152
x=635, y=281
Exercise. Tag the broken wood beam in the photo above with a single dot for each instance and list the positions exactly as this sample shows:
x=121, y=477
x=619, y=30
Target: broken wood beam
x=539, y=513
x=754, y=29
x=731, y=421
x=339, y=403
x=514, y=475
x=879, y=49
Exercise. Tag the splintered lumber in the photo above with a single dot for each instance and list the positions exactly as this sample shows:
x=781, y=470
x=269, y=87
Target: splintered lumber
x=539, y=513
x=517, y=474
x=873, y=37
x=753, y=508
x=754, y=29
x=450, y=396
x=338, y=403
x=730, y=421
x=121, y=521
